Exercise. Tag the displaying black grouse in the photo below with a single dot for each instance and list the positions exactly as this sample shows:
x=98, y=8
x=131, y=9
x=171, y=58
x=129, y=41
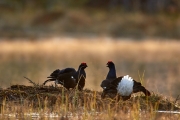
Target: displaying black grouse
x=69, y=77
x=110, y=76
x=123, y=86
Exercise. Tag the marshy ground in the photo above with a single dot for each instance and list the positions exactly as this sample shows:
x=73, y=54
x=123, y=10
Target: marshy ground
x=19, y=100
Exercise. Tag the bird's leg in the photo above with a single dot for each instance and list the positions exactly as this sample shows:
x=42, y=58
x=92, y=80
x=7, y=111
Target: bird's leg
x=126, y=97
x=55, y=85
x=56, y=82
x=79, y=88
x=117, y=98
x=103, y=95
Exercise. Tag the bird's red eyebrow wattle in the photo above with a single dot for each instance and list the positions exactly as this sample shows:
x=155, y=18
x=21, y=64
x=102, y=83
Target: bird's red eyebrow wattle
x=109, y=61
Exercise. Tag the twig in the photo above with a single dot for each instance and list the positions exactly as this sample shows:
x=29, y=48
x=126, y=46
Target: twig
x=31, y=81
x=177, y=98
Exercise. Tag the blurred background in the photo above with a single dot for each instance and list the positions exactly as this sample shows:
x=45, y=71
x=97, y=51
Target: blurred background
x=140, y=36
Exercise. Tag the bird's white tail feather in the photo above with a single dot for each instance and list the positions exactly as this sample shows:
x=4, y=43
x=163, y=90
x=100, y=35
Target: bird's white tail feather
x=125, y=87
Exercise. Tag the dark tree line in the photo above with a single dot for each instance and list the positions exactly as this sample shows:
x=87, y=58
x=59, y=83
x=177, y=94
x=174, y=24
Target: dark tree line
x=140, y=5
x=127, y=5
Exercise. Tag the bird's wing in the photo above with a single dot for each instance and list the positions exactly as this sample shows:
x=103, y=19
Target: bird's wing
x=136, y=83
x=66, y=75
x=58, y=72
x=67, y=70
x=105, y=84
x=139, y=88
x=61, y=75
x=67, y=79
x=116, y=81
x=54, y=74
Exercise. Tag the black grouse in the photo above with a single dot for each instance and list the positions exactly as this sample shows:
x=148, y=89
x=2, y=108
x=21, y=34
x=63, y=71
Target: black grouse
x=110, y=76
x=69, y=77
x=123, y=86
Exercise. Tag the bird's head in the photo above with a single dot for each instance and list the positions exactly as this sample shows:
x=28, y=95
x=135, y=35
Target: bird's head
x=110, y=64
x=83, y=65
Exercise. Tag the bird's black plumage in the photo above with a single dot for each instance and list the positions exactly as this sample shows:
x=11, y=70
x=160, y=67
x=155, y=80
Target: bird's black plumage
x=69, y=77
x=112, y=88
x=110, y=76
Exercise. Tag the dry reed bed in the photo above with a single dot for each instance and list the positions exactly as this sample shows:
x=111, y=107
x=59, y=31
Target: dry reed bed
x=149, y=50
x=21, y=99
x=89, y=44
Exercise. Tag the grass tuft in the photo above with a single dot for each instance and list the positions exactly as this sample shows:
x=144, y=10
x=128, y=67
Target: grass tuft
x=86, y=104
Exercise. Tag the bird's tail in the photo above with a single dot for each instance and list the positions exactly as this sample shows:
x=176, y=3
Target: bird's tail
x=48, y=80
x=53, y=76
x=141, y=89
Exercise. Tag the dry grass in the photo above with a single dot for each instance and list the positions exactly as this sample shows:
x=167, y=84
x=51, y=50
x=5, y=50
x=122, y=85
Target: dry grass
x=22, y=101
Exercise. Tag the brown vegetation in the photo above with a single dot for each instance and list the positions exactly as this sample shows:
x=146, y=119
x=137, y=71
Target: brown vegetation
x=21, y=99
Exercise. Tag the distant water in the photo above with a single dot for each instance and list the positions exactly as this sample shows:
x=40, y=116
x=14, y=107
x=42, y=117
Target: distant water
x=171, y=112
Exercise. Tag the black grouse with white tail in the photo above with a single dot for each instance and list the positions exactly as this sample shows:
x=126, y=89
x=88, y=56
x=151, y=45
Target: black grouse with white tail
x=123, y=87
x=69, y=77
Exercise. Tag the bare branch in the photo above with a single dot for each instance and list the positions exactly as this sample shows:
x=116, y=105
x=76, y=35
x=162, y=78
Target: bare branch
x=31, y=81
